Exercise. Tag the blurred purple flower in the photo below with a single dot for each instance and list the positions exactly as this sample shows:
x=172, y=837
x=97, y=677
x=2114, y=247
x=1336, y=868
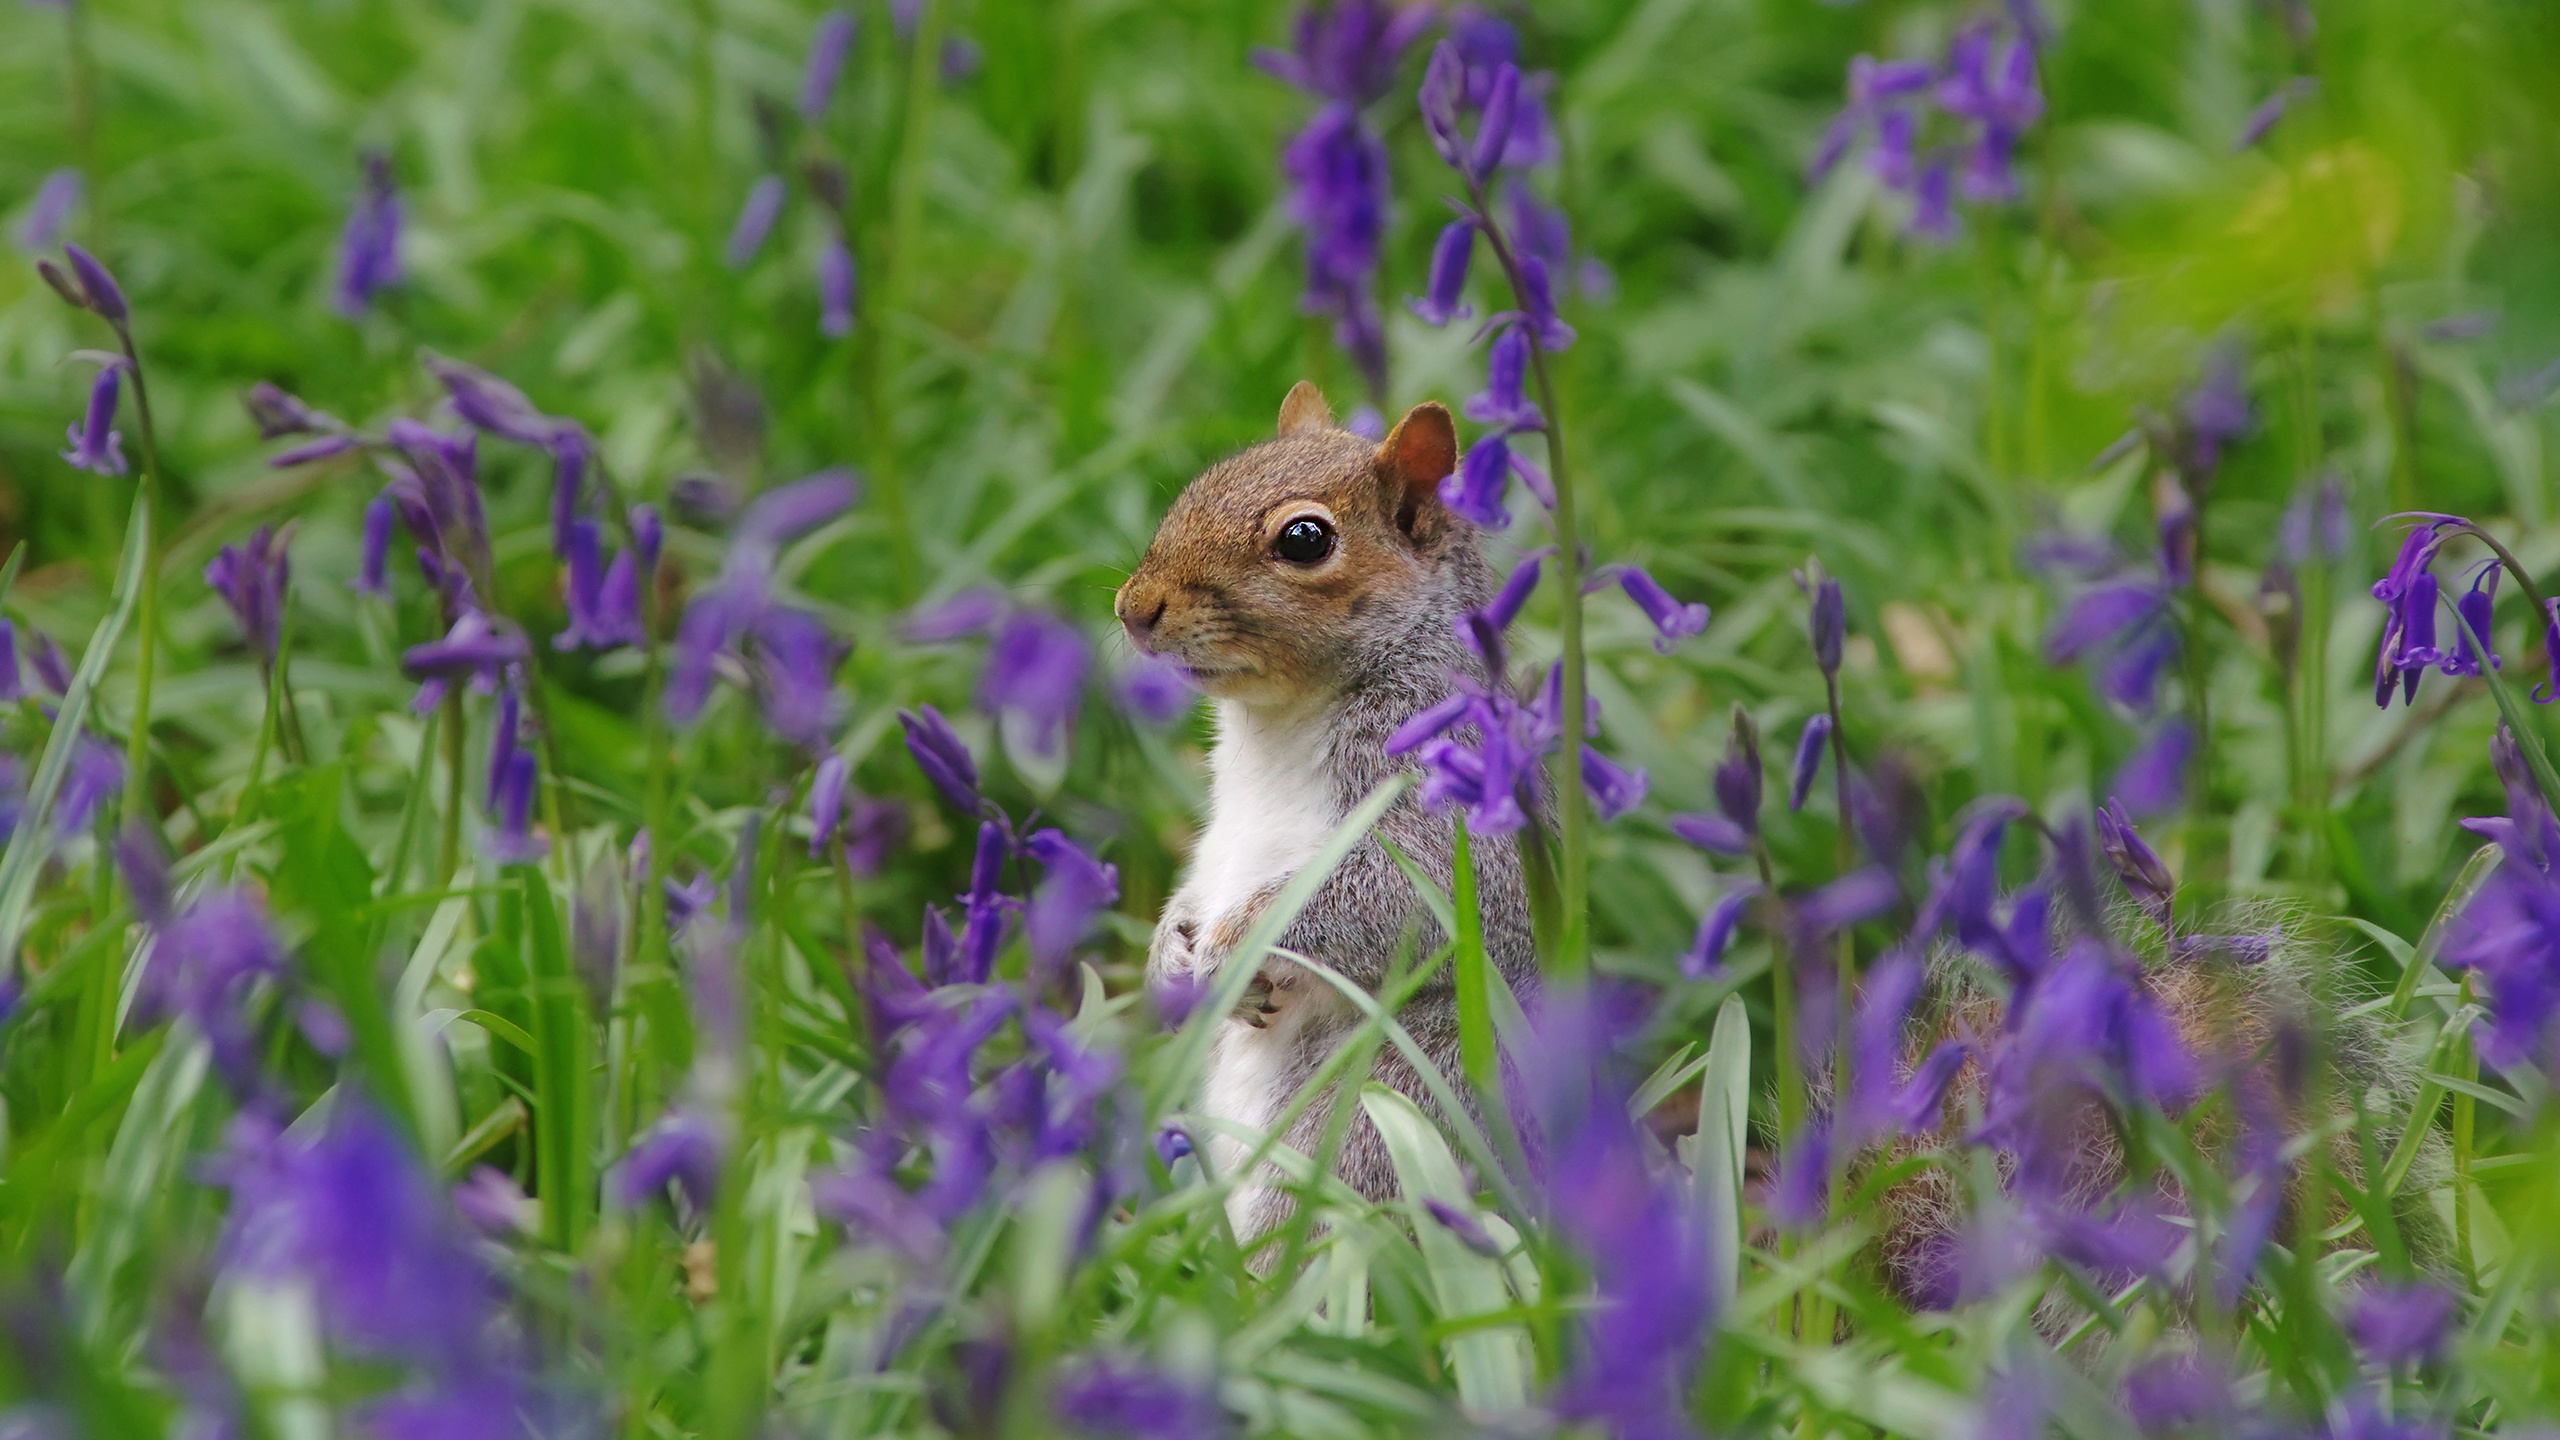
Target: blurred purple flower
x=973, y=611
x=96, y=773
x=371, y=578
x=1125, y=1400
x=1469, y=1231
x=2153, y=779
x=369, y=245
x=1034, y=676
x=2216, y=410
x=1154, y=691
x=1737, y=778
x=1339, y=193
x=494, y=1203
x=95, y=445
x=1170, y=1143
x=1672, y=620
x=755, y=221
x=827, y=49
x=2315, y=522
x=55, y=199
x=250, y=577
x=2508, y=935
x=2272, y=109
x=1713, y=833
x=1808, y=762
x=945, y=761
x=2401, y=1324
x=835, y=287
x=2179, y=1393
x=350, y=1210
x=1715, y=933
x=1614, y=789
x=1348, y=50
x=826, y=801
x=2467, y=325
x=681, y=1149
x=793, y=655
x=1074, y=887
x=510, y=840
x=472, y=650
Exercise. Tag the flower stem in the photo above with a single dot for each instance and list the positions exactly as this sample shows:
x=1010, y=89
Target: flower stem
x=449, y=847
x=137, y=760
x=1573, y=815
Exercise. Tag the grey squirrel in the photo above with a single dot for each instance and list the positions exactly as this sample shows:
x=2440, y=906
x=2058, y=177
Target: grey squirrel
x=1311, y=586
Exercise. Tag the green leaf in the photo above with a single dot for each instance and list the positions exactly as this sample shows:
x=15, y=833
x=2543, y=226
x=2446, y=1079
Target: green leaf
x=564, y=1125
x=1492, y=1365
x=31, y=839
x=1724, y=1112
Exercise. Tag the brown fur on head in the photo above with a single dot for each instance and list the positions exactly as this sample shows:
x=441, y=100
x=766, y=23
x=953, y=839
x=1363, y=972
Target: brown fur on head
x=1245, y=602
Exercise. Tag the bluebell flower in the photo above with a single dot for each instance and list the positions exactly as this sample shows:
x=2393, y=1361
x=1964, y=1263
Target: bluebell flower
x=375, y=551
x=1810, y=744
x=348, y=1209
x=369, y=247
x=94, y=285
x=939, y=753
x=1154, y=691
x=1116, y=1399
x=1737, y=777
x=682, y=1149
x=1346, y=51
x=96, y=774
x=2401, y=1324
x=1614, y=789
x=251, y=578
x=2153, y=779
x=793, y=655
x=1440, y=301
x=55, y=199
x=2263, y=117
x=1714, y=833
x=1074, y=888
x=1339, y=193
x=2135, y=862
x=1474, y=490
x=826, y=801
x=755, y=221
x=1503, y=402
x=1034, y=677
x=827, y=50
x=1705, y=956
x=510, y=840
x=95, y=445
x=835, y=287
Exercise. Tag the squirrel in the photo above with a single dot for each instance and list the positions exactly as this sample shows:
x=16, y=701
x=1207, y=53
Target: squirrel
x=1312, y=587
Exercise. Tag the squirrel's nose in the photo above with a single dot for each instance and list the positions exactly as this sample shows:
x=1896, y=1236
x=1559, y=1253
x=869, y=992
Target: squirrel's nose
x=1138, y=616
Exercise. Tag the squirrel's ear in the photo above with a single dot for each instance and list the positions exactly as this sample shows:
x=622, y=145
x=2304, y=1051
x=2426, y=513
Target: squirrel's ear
x=1412, y=461
x=1304, y=409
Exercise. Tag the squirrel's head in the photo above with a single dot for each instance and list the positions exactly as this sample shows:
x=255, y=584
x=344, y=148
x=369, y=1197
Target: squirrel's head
x=1278, y=568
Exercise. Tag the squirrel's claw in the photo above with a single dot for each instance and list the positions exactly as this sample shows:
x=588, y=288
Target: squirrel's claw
x=1258, y=1003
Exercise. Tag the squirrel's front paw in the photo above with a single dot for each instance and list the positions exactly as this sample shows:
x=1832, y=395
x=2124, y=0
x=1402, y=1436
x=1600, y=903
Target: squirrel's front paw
x=1265, y=996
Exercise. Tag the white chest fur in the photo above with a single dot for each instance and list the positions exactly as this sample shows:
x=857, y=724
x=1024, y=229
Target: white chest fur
x=1270, y=805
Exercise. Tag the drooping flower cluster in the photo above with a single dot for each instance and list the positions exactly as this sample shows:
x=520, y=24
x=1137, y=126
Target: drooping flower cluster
x=2508, y=936
x=836, y=275
x=1924, y=122
x=206, y=962
x=1345, y=54
x=1637, y=1235
x=251, y=577
x=959, y=1121
x=786, y=655
x=1033, y=677
x=1480, y=748
x=2413, y=600
x=347, y=1210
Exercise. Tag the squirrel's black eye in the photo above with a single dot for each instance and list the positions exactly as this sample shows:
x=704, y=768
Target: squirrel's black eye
x=1304, y=541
